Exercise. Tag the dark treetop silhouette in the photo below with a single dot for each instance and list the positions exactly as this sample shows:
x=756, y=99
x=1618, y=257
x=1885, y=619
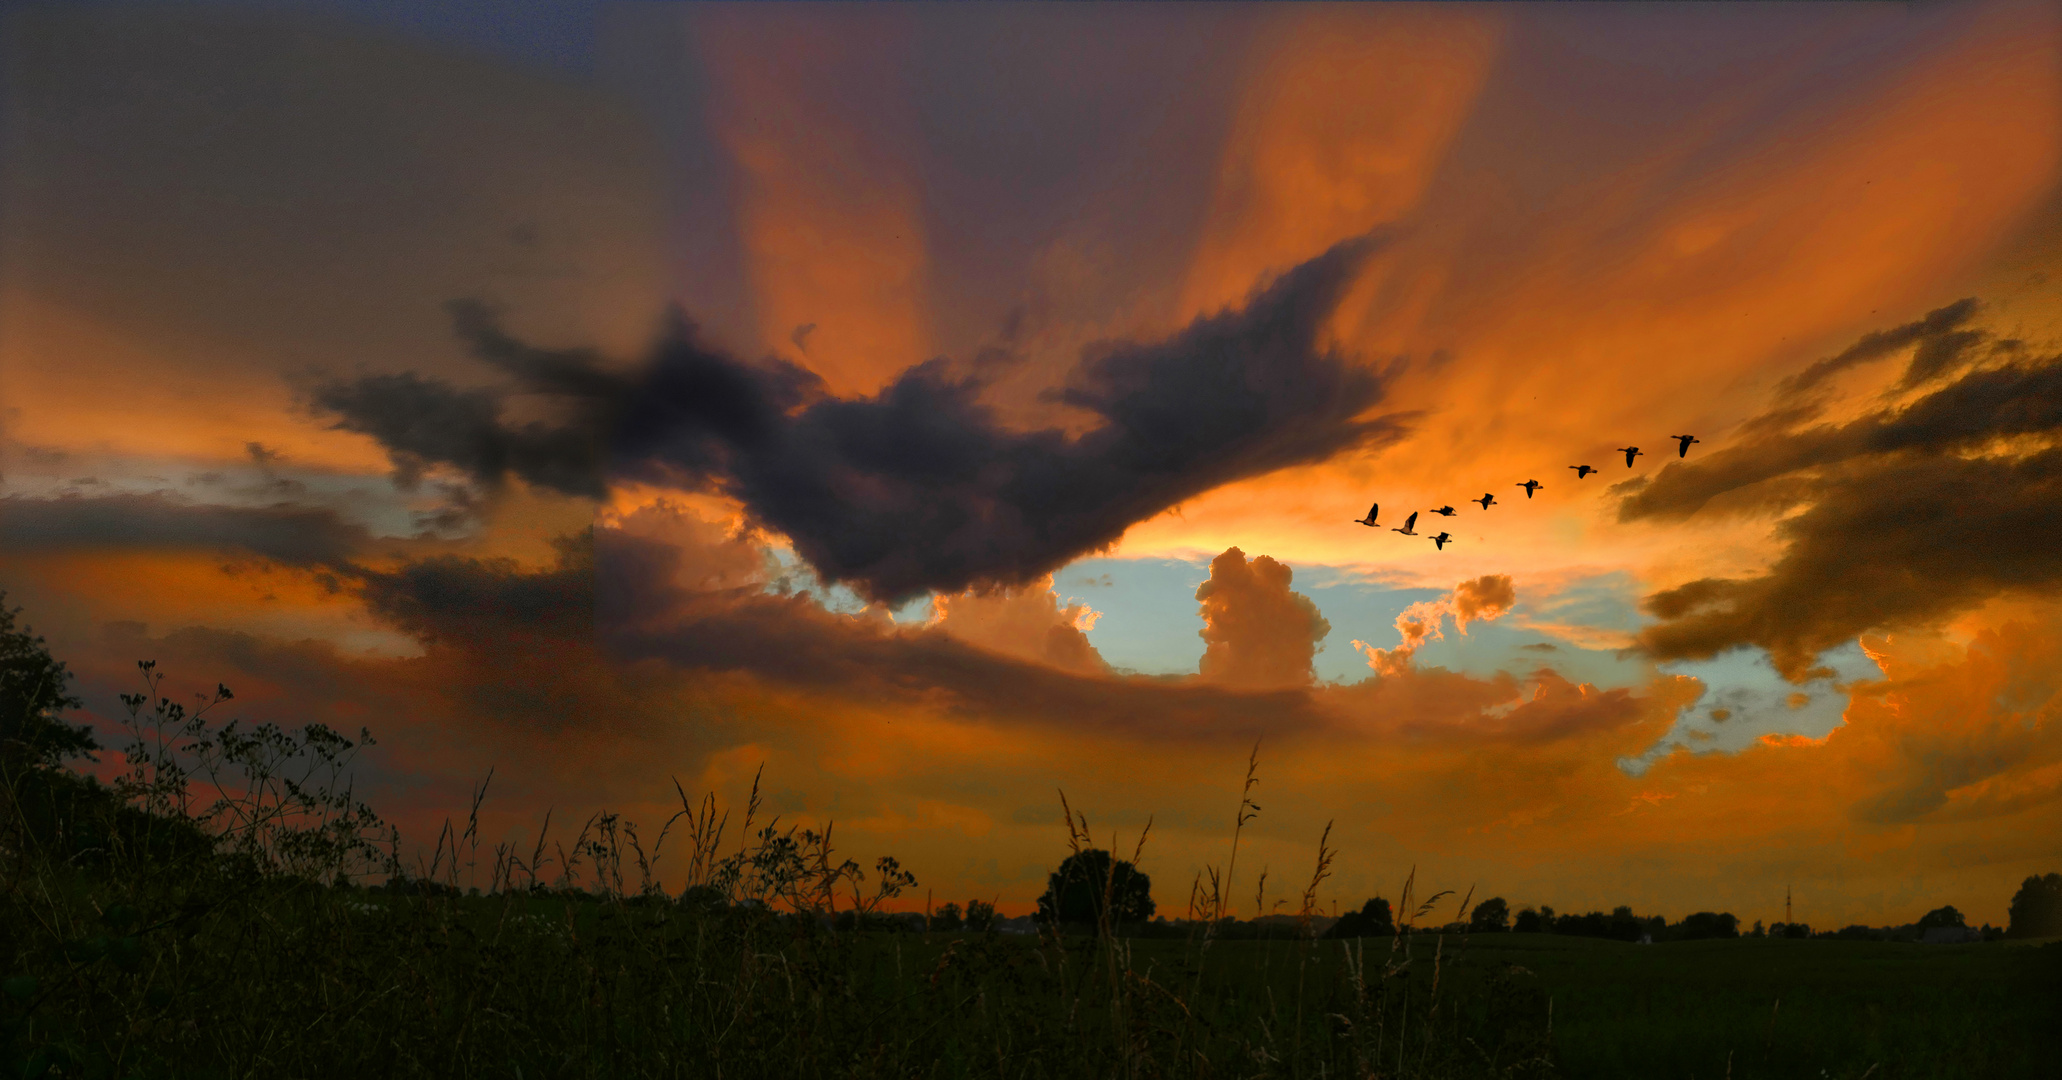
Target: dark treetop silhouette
x=1074, y=893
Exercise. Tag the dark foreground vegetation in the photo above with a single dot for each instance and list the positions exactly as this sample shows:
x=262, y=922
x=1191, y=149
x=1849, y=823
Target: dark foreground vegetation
x=204, y=917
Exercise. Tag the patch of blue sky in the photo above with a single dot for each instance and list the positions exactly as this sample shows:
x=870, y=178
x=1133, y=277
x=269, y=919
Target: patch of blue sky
x=1571, y=631
x=1602, y=602
x=1744, y=699
x=1150, y=623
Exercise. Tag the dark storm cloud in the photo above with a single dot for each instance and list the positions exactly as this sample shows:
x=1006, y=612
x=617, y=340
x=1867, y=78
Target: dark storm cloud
x=286, y=533
x=1907, y=538
x=921, y=486
x=2023, y=397
x=451, y=598
x=1913, y=513
x=1939, y=336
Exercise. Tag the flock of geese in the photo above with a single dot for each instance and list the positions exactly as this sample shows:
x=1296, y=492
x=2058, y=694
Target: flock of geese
x=1488, y=500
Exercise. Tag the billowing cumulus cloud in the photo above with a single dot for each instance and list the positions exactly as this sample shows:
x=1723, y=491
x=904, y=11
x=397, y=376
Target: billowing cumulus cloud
x=1912, y=512
x=921, y=486
x=1257, y=632
x=1028, y=622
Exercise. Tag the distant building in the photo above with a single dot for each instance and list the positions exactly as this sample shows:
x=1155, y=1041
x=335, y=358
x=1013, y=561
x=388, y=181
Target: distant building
x=1950, y=935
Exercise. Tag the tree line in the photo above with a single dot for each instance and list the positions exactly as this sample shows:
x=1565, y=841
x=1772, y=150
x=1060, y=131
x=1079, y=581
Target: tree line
x=1086, y=884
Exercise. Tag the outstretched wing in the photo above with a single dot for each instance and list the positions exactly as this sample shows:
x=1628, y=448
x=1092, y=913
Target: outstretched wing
x=1373, y=510
x=1411, y=522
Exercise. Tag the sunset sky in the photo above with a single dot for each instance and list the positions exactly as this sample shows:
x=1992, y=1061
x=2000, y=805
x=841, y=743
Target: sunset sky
x=973, y=402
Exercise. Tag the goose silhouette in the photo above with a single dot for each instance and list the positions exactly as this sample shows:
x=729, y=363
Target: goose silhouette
x=1581, y=471
x=1630, y=453
x=1440, y=541
x=1369, y=520
x=1487, y=500
x=1444, y=511
x=1409, y=523
x=1684, y=450
x=1531, y=486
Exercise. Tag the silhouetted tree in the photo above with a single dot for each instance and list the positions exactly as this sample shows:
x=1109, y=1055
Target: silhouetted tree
x=1944, y=916
x=946, y=918
x=2037, y=907
x=33, y=691
x=980, y=916
x=1372, y=920
x=1492, y=916
x=1706, y=924
x=1528, y=921
x=1074, y=893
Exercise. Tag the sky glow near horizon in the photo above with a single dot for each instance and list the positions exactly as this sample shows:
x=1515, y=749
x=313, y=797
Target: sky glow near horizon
x=1588, y=228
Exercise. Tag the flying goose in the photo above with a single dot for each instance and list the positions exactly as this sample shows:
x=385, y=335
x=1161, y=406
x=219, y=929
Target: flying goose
x=1440, y=540
x=1530, y=486
x=1684, y=450
x=1630, y=452
x=1409, y=523
x=1369, y=520
x=1487, y=500
x=1444, y=511
x=1582, y=471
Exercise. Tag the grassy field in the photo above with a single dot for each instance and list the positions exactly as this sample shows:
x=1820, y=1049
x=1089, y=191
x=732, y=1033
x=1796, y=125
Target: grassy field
x=1760, y=1007
x=209, y=970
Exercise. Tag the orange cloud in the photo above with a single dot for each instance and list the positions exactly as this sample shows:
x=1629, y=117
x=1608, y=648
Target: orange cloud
x=1610, y=285
x=820, y=131
x=1257, y=632
x=1026, y=622
x=1480, y=599
x=1342, y=118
